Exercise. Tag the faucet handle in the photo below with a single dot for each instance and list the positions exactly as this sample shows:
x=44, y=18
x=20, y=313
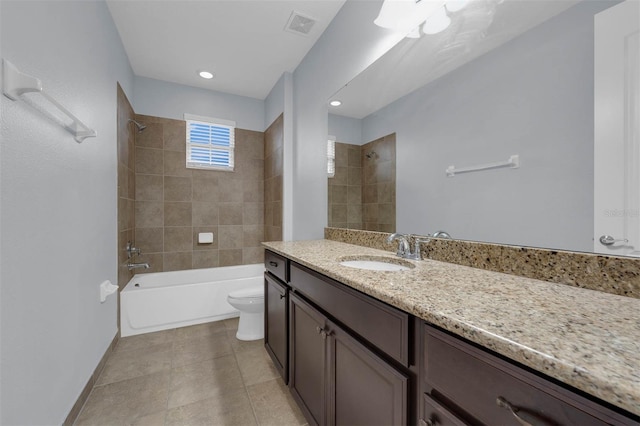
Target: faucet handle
x=419, y=240
x=131, y=250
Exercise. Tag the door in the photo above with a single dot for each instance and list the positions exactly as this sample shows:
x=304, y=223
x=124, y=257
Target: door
x=276, y=324
x=307, y=360
x=363, y=388
x=616, y=132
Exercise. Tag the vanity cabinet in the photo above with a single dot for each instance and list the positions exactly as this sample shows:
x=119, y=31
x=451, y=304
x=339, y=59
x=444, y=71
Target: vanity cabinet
x=276, y=312
x=336, y=379
x=463, y=384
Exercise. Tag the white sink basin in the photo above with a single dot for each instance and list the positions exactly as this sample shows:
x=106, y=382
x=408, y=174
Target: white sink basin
x=380, y=264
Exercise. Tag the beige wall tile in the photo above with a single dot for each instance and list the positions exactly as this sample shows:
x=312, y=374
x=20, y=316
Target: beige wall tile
x=205, y=214
x=230, y=213
x=230, y=188
x=175, y=164
x=339, y=213
x=253, y=191
x=230, y=237
x=149, y=187
x=177, y=188
x=339, y=194
x=177, y=214
x=252, y=255
x=253, y=235
x=177, y=261
x=341, y=177
x=230, y=257
x=149, y=161
x=149, y=214
x=175, y=135
x=253, y=214
x=151, y=137
x=205, y=259
x=178, y=238
x=205, y=188
x=150, y=240
x=155, y=261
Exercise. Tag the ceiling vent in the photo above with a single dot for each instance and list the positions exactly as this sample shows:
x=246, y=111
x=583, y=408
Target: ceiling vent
x=299, y=24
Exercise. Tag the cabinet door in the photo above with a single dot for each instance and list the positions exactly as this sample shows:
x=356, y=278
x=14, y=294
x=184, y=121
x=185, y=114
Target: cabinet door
x=276, y=323
x=364, y=389
x=307, y=359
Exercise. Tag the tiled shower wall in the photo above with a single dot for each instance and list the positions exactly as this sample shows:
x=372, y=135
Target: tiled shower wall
x=273, y=171
x=379, y=184
x=126, y=184
x=362, y=194
x=345, y=188
x=173, y=204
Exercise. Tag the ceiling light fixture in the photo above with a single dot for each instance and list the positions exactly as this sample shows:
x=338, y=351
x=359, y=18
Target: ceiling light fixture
x=456, y=5
x=335, y=103
x=206, y=74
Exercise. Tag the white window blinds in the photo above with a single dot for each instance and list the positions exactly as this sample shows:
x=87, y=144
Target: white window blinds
x=210, y=143
x=331, y=156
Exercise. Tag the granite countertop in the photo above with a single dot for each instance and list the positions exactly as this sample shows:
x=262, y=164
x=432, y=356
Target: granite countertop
x=584, y=338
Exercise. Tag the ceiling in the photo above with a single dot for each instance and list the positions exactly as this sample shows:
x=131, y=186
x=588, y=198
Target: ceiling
x=243, y=42
x=482, y=26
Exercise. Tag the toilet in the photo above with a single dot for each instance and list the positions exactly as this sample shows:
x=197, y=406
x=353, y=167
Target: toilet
x=250, y=303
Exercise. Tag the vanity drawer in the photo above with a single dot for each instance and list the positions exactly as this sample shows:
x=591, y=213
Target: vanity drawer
x=384, y=326
x=436, y=414
x=458, y=374
x=277, y=265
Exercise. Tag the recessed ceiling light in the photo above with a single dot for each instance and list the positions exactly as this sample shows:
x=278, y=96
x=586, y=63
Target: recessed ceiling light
x=206, y=74
x=335, y=103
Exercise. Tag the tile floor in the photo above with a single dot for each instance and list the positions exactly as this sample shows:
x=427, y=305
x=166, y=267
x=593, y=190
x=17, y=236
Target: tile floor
x=198, y=375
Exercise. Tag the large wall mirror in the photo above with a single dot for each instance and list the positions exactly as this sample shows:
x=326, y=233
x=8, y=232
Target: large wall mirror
x=523, y=93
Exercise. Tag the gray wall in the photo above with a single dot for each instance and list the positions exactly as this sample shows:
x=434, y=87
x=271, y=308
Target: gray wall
x=58, y=207
x=172, y=100
x=533, y=97
x=346, y=129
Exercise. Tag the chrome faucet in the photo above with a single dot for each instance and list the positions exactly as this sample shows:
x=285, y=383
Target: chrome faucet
x=404, y=249
x=131, y=266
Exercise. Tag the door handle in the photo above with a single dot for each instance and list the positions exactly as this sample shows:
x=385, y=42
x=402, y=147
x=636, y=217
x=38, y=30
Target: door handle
x=608, y=240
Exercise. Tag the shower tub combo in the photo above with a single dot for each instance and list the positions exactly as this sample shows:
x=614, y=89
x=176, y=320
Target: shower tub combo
x=164, y=300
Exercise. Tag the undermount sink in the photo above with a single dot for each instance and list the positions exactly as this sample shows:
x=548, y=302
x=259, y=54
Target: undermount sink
x=376, y=263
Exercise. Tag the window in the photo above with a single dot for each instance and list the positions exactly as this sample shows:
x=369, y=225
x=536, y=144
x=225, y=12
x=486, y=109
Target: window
x=210, y=143
x=331, y=156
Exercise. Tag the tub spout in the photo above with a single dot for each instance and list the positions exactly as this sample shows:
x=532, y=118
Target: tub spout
x=131, y=266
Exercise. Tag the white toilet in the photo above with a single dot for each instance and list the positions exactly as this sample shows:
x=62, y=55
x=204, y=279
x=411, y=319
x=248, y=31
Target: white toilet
x=250, y=303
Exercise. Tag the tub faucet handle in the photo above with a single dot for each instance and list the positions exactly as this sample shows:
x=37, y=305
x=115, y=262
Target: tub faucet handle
x=131, y=250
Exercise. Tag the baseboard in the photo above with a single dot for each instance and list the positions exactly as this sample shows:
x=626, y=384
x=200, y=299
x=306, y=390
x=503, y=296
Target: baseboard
x=75, y=411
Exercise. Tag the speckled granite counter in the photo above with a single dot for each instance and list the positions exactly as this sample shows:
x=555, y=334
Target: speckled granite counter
x=587, y=339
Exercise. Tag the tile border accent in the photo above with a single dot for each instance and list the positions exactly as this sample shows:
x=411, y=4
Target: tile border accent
x=84, y=395
x=611, y=274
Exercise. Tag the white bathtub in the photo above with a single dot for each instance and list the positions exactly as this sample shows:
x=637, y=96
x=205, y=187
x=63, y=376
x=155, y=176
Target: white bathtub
x=164, y=300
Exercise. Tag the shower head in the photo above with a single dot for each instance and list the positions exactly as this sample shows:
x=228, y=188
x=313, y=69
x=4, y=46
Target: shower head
x=370, y=155
x=140, y=127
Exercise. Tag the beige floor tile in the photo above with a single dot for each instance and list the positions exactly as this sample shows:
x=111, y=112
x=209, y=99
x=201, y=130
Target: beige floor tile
x=203, y=380
x=274, y=405
x=126, y=401
x=231, y=323
x=143, y=341
x=200, y=330
x=155, y=419
x=229, y=408
x=196, y=349
x=256, y=366
x=243, y=345
x=127, y=364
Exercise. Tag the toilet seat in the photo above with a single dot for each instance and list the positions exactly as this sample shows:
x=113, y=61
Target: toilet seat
x=248, y=293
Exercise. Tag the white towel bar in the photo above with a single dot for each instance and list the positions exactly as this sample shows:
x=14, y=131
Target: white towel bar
x=15, y=84
x=513, y=162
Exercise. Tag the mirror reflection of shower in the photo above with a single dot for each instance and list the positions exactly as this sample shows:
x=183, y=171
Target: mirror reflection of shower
x=139, y=126
x=370, y=155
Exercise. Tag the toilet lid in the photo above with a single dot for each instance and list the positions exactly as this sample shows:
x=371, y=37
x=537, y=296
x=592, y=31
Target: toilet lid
x=257, y=291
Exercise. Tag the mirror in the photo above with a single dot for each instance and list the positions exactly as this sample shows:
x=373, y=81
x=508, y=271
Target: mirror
x=505, y=78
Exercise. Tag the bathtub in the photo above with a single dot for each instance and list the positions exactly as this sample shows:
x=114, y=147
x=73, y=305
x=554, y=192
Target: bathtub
x=165, y=300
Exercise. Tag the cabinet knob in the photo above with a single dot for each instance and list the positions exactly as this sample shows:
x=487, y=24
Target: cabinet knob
x=318, y=329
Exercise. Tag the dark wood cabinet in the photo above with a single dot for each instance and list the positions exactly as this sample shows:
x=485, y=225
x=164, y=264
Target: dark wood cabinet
x=336, y=379
x=307, y=367
x=276, y=323
x=463, y=383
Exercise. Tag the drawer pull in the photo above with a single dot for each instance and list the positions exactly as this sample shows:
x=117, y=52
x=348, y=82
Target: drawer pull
x=282, y=296
x=274, y=264
x=520, y=417
x=428, y=422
